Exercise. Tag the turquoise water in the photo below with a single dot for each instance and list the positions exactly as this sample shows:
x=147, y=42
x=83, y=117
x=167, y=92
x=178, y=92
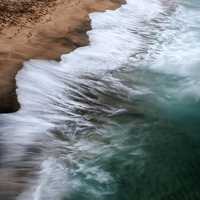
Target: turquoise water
x=150, y=148
x=149, y=151
x=116, y=120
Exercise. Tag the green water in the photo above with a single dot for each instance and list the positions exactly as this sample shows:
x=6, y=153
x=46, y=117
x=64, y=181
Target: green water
x=126, y=127
x=150, y=150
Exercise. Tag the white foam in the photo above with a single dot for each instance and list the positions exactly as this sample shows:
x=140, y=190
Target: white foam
x=42, y=85
x=52, y=182
x=111, y=38
x=179, y=53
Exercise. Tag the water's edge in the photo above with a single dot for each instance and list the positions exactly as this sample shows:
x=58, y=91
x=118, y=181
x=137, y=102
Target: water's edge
x=117, y=119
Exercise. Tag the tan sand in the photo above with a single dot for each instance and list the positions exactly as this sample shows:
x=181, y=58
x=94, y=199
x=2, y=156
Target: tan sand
x=37, y=29
x=42, y=29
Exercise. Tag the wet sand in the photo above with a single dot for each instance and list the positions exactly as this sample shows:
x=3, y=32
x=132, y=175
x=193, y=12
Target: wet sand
x=36, y=29
x=40, y=29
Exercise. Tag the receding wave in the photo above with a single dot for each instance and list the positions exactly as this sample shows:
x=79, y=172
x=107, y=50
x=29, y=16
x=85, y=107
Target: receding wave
x=117, y=119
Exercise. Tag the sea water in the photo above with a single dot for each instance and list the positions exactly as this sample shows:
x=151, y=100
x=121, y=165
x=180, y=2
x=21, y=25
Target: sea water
x=117, y=119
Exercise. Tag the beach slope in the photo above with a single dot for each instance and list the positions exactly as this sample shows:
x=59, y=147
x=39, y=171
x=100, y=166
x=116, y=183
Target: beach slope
x=40, y=29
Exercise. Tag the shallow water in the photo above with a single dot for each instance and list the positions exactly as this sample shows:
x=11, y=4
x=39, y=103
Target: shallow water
x=118, y=119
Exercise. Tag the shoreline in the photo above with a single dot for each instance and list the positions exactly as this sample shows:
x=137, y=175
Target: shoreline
x=45, y=32
x=52, y=42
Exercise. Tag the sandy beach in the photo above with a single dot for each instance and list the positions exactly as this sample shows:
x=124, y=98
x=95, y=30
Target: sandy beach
x=108, y=105
x=37, y=29
x=40, y=29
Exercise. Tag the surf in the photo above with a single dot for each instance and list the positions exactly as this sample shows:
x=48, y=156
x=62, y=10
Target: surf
x=114, y=118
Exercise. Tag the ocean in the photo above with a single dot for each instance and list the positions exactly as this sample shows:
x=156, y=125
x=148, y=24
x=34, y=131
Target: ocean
x=117, y=119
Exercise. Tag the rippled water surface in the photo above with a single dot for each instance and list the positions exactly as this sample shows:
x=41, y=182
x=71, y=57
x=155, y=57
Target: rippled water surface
x=116, y=120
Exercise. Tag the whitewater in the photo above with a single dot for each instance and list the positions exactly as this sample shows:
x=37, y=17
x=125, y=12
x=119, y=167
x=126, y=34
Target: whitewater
x=117, y=119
